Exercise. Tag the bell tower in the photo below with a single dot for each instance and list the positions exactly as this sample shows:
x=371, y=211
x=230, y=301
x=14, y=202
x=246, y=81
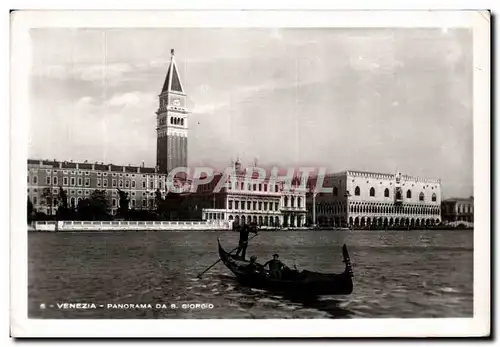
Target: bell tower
x=172, y=122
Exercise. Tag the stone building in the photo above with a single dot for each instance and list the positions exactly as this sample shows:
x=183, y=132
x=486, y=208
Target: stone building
x=361, y=199
x=267, y=203
x=456, y=209
x=79, y=180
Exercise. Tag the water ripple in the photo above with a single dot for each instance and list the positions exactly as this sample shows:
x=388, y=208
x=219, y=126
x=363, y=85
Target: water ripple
x=397, y=274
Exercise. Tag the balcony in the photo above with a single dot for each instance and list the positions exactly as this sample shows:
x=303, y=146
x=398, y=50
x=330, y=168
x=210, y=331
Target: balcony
x=293, y=209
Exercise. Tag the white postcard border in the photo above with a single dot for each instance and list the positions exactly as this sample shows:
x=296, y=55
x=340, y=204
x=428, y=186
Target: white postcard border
x=21, y=326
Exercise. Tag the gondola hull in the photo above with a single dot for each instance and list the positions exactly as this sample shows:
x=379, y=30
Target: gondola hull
x=299, y=283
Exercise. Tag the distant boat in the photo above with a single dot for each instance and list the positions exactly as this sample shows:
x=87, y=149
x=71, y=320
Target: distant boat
x=303, y=283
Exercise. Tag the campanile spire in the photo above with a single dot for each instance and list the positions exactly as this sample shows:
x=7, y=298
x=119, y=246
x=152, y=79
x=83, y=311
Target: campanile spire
x=172, y=122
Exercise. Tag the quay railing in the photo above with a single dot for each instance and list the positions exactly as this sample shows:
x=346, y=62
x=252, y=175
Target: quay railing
x=131, y=225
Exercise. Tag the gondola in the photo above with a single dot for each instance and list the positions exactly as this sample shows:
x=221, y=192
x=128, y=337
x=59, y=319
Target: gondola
x=300, y=283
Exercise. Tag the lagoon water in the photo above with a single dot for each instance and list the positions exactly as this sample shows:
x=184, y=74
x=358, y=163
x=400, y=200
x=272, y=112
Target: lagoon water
x=397, y=274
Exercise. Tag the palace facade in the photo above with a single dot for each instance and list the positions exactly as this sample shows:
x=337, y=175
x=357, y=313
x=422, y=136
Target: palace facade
x=79, y=180
x=458, y=210
x=267, y=203
x=362, y=199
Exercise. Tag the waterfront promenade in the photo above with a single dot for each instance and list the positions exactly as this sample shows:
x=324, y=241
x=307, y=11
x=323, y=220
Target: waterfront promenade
x=129, y=225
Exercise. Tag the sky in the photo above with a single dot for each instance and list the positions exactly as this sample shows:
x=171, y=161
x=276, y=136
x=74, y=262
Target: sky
x=379, y=100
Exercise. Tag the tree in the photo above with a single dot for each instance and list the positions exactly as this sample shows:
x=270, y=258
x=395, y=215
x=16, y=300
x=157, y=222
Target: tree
x=50, y=199
x=100, y=204
x=63, y=211
x=62, y=198
x=96, y=207
x=30, y=210
x=123, y=208
x=160, y=204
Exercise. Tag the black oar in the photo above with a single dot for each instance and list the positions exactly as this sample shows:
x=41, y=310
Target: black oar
x=211, y=266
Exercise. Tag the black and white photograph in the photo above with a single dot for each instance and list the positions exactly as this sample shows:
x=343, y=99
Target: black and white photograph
x=173, y=166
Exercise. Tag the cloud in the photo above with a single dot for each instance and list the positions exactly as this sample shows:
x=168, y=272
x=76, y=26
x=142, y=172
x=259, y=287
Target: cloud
x=130, y=99
x=108, y=73
x=209, y=108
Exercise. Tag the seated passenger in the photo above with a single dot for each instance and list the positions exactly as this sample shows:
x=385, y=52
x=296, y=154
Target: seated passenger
x=275, y=266
x=253, y=266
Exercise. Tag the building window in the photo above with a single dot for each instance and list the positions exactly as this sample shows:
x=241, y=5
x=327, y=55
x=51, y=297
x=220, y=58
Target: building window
x=421, y=197
x=35, y=179
x=143, y=185
x=114, y=202
x=434, y=197
x=265, y=204
x=408, y=194
x=372, y=191
x=265, y=187
x=133, y=184
x=260, y=187
x=120, y=183
x=133, y=193
x=255, y=205
x=276, y=206
x=87, y=182
x=113, y=183
x=299, y=202
x=159, y=185
x=260, y=205
x=87, y=192
x=236, y=205
x=270, y=206
x=48, y=180
x=65, y=181
x=357, y=191
x=104, y=182
x=72, y=180
x=248, y=205
x=230, y=205
x=133, y=202
x=151, y=185
x=80, y=181
x=79, y=192
x=335, y=191
x=86, y=173
x=386, y=192
x=254, y=187
x=98, y=182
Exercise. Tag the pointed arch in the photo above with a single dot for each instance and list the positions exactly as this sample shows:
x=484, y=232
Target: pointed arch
x=434, y=198
x=386, y=192
x=372, y=191
x=421, y=196
x=408, y=194
x=357, y=191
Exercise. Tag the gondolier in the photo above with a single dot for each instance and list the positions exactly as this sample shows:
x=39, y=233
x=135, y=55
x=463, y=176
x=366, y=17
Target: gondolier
x=243, y=243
